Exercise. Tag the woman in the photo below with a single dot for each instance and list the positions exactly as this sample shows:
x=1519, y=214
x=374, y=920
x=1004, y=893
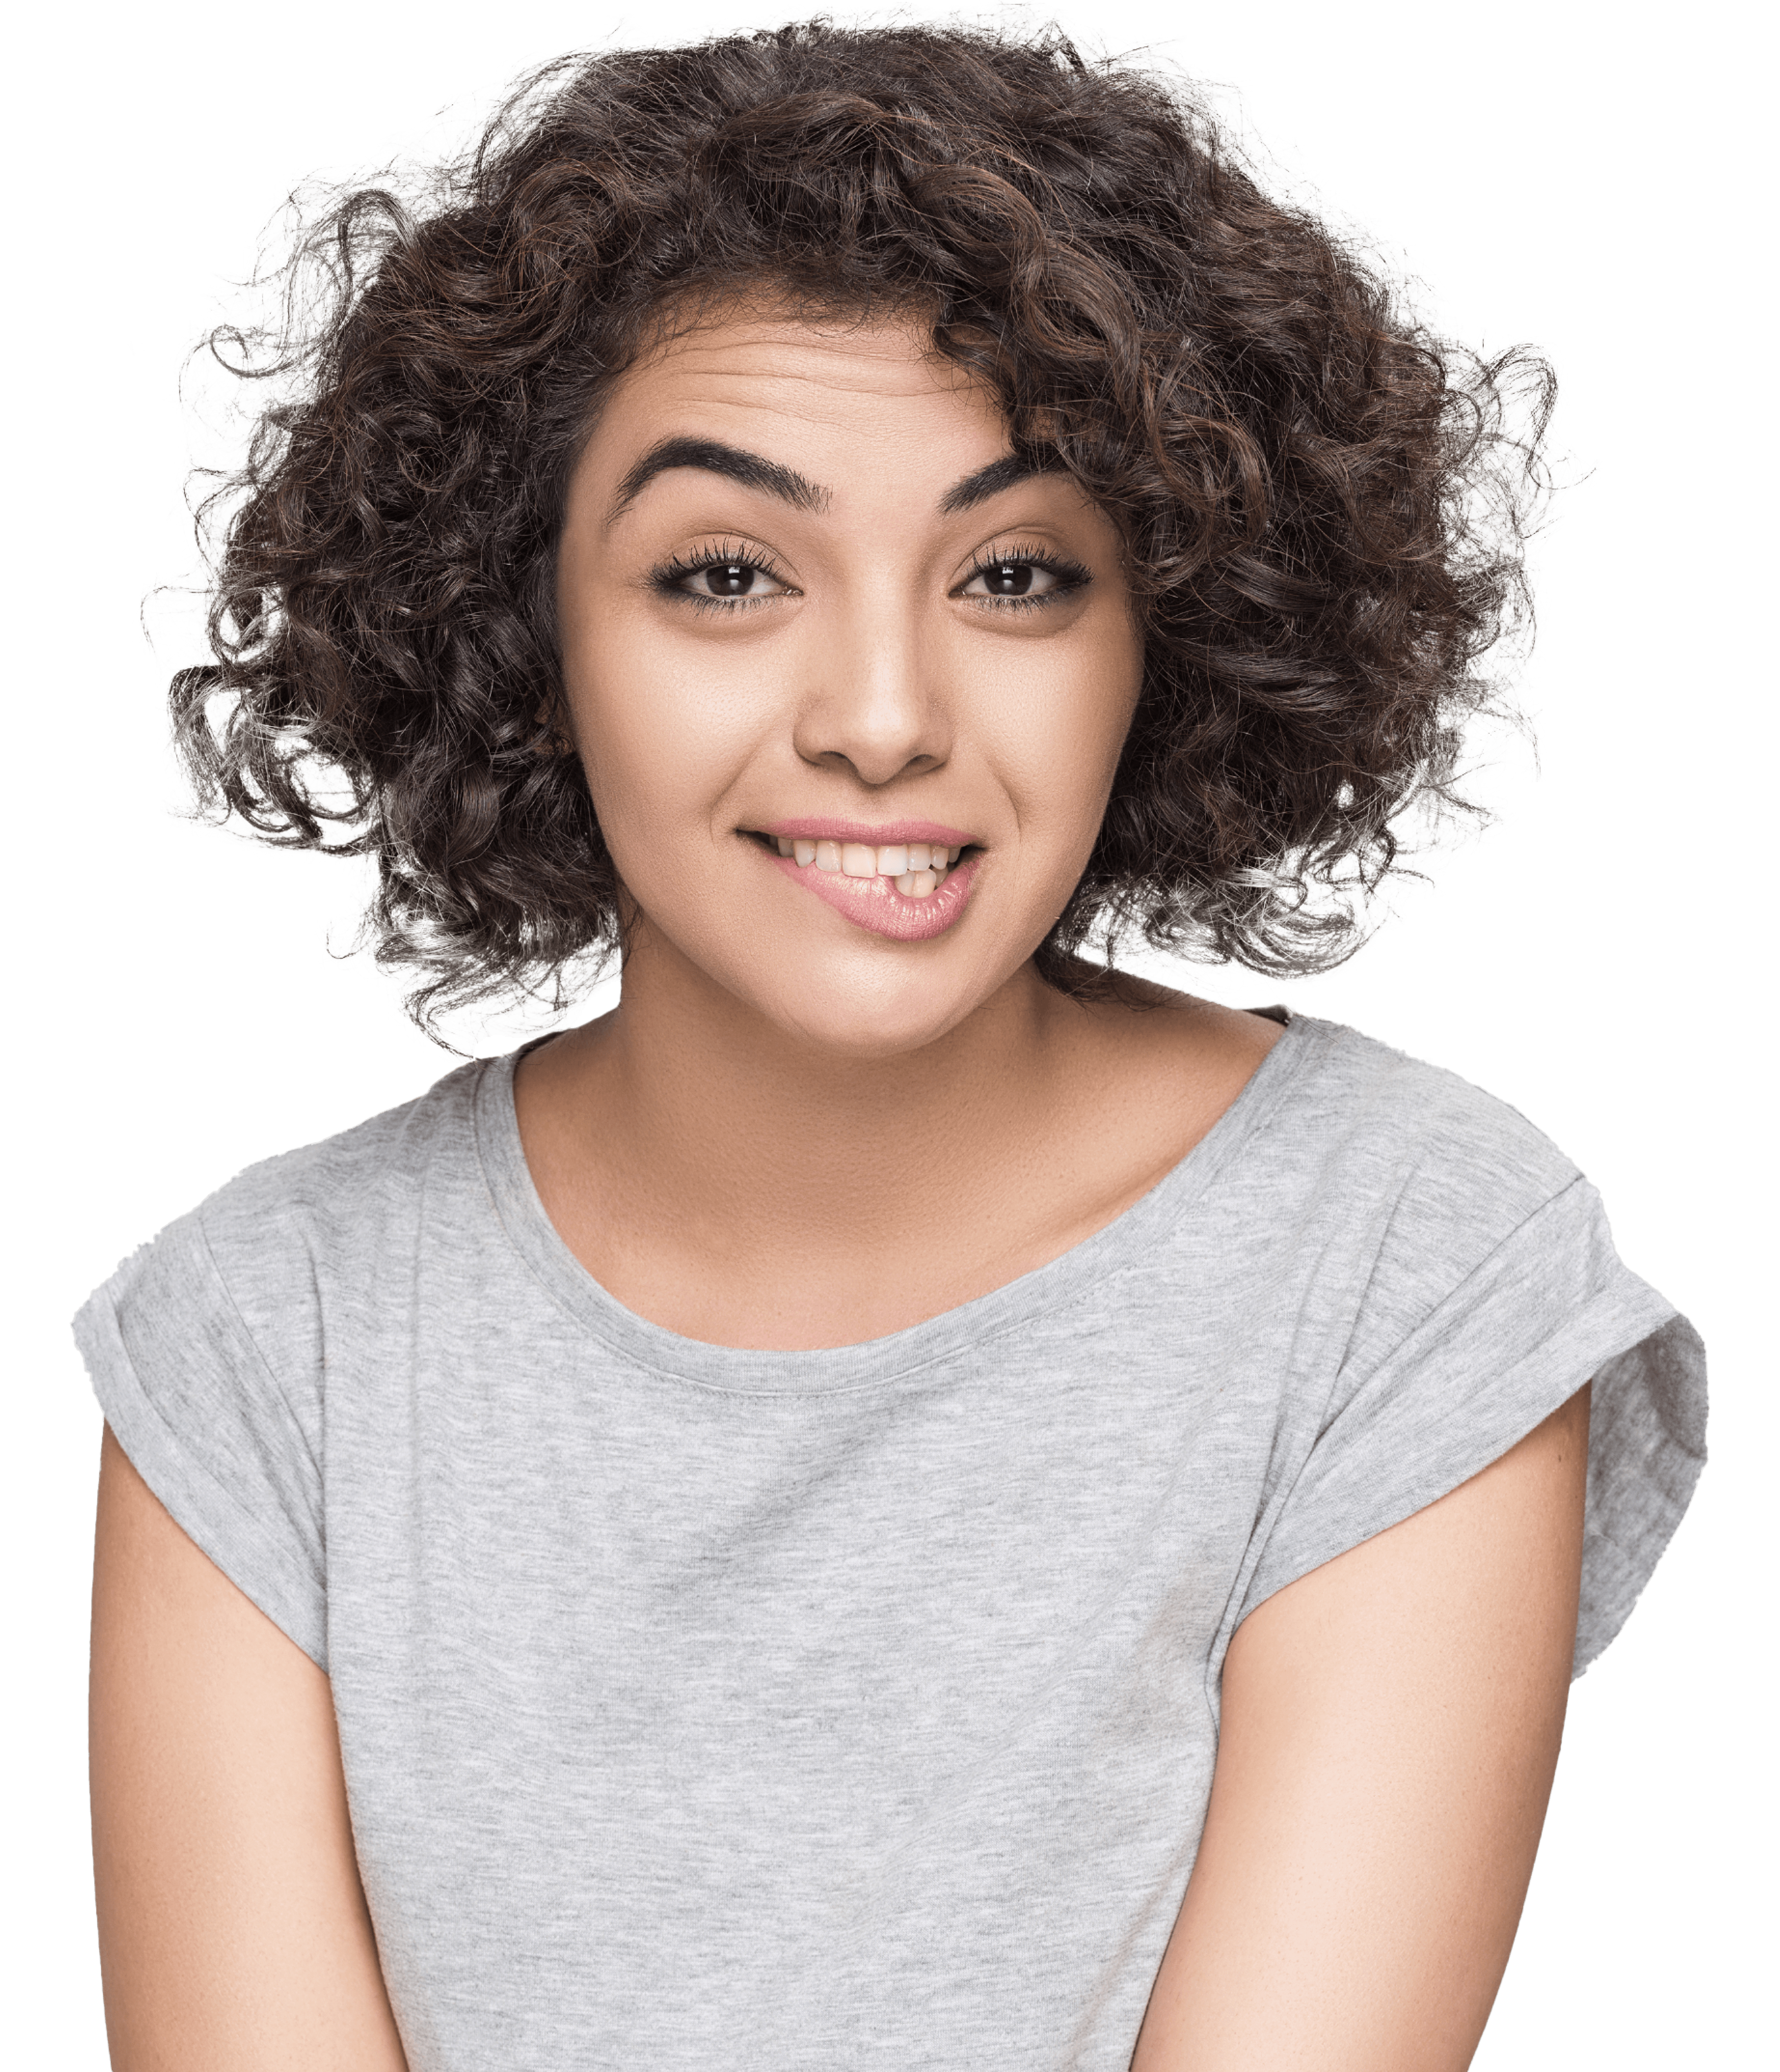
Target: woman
x=899, y=1499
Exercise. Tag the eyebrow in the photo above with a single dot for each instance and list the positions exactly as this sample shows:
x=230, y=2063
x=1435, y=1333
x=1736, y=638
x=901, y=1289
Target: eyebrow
x=987, y=482
x=755, y=471
x=752, y=471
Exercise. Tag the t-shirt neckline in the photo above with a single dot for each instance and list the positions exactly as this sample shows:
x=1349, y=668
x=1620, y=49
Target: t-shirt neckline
x=1124, y=1242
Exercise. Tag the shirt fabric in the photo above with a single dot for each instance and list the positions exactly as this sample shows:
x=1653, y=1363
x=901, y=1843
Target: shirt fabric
x=707, y=1709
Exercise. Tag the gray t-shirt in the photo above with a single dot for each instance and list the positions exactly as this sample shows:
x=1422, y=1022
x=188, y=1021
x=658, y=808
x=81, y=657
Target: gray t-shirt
x=763, y=1711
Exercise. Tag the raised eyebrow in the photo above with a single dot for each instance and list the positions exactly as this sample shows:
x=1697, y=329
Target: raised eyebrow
x=753, y=470
x=987, y=482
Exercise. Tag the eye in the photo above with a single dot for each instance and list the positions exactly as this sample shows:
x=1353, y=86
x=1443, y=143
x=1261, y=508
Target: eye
x=1023, y=578
x=725, y=577
x=731, y=579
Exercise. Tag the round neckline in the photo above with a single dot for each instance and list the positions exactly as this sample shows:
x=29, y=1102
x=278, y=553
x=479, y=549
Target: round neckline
x=1120, y=1245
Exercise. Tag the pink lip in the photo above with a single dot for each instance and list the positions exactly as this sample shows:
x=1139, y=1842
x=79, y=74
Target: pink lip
x=890, y=832
x=874, y=903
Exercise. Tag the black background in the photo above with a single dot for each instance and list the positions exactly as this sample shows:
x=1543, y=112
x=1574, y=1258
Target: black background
x=198, y=1029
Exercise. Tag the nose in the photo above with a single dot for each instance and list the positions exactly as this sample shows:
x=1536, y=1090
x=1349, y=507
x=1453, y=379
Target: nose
x=875, y=708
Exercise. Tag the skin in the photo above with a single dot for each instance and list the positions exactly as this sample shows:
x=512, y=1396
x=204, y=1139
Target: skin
x=1390, y=1731
x=233, y=1935
x=793, y=1133
x=783, y=1102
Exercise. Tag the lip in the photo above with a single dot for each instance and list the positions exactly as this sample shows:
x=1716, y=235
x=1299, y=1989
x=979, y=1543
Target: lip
x=817, y=828
x=874, y=903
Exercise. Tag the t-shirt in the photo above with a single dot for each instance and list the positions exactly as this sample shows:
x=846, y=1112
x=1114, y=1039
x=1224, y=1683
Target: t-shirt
x=710, y=1709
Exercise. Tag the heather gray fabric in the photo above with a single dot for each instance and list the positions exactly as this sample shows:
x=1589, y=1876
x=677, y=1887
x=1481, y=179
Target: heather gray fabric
x=705, y=1709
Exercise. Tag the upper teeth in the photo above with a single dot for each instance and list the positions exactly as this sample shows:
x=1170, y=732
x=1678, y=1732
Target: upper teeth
x=858, y=860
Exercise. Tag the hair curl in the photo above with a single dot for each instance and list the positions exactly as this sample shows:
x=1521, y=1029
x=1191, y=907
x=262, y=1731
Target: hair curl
x=1322, y=507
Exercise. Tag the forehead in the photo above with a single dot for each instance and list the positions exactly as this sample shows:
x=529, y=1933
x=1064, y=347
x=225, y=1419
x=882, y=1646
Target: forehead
x=829, y=395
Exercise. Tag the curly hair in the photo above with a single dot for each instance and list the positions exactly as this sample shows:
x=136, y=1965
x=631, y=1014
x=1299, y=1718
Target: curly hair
x=1321, y=506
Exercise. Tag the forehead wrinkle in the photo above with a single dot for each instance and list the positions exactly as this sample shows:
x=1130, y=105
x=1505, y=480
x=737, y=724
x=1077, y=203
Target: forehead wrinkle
x=740, y=463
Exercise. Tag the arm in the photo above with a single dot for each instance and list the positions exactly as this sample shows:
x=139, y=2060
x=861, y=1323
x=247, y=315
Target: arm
x=1390, y=1727
x=233, y=1934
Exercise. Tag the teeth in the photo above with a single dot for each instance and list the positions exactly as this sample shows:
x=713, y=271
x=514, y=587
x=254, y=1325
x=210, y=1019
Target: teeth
x=918, y=868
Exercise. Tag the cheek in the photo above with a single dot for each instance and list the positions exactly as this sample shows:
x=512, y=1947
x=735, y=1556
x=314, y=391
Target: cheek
x=662, y=734
x=1059, y=730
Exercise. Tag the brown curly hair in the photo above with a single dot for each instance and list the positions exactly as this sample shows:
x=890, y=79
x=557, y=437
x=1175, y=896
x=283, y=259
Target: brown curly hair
x=1322, y=507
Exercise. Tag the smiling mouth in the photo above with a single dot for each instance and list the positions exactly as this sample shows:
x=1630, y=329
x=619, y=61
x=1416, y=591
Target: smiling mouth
x=918, y=869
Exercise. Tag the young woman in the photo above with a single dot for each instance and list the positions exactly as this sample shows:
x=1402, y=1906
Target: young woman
x=900, y=1500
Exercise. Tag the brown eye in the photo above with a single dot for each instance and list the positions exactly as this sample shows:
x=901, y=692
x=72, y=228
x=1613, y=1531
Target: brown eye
x=720, y=579
x=1022, y=579
x=731, y=579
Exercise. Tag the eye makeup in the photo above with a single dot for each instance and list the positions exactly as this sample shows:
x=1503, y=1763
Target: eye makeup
x=1013, y=567
x=730, y=568
x=734, y=575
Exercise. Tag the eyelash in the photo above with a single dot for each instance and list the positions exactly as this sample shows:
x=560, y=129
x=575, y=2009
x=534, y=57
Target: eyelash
x=1071, y=576
x=668, y=578
x=673, y=572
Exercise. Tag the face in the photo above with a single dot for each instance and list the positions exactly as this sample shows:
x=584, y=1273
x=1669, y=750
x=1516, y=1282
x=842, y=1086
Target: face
x=849, y=689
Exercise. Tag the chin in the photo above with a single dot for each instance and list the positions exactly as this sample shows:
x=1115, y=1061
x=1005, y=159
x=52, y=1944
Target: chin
x=877, y=1006
x=871, y=1026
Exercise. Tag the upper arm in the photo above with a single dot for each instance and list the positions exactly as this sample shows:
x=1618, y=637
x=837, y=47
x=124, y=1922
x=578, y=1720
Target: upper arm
x=1391, y=1724
x=232, y=1931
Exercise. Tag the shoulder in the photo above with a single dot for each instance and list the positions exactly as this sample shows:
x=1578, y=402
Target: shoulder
x=1319, y=1106
x=1383, y=1117
x=211, y=1348
x=1389, y=1169
x=1415, y=1184
x=262, y=1245
x=386, y=1155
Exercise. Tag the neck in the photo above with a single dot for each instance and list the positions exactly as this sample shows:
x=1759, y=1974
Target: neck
x=694, y=1096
